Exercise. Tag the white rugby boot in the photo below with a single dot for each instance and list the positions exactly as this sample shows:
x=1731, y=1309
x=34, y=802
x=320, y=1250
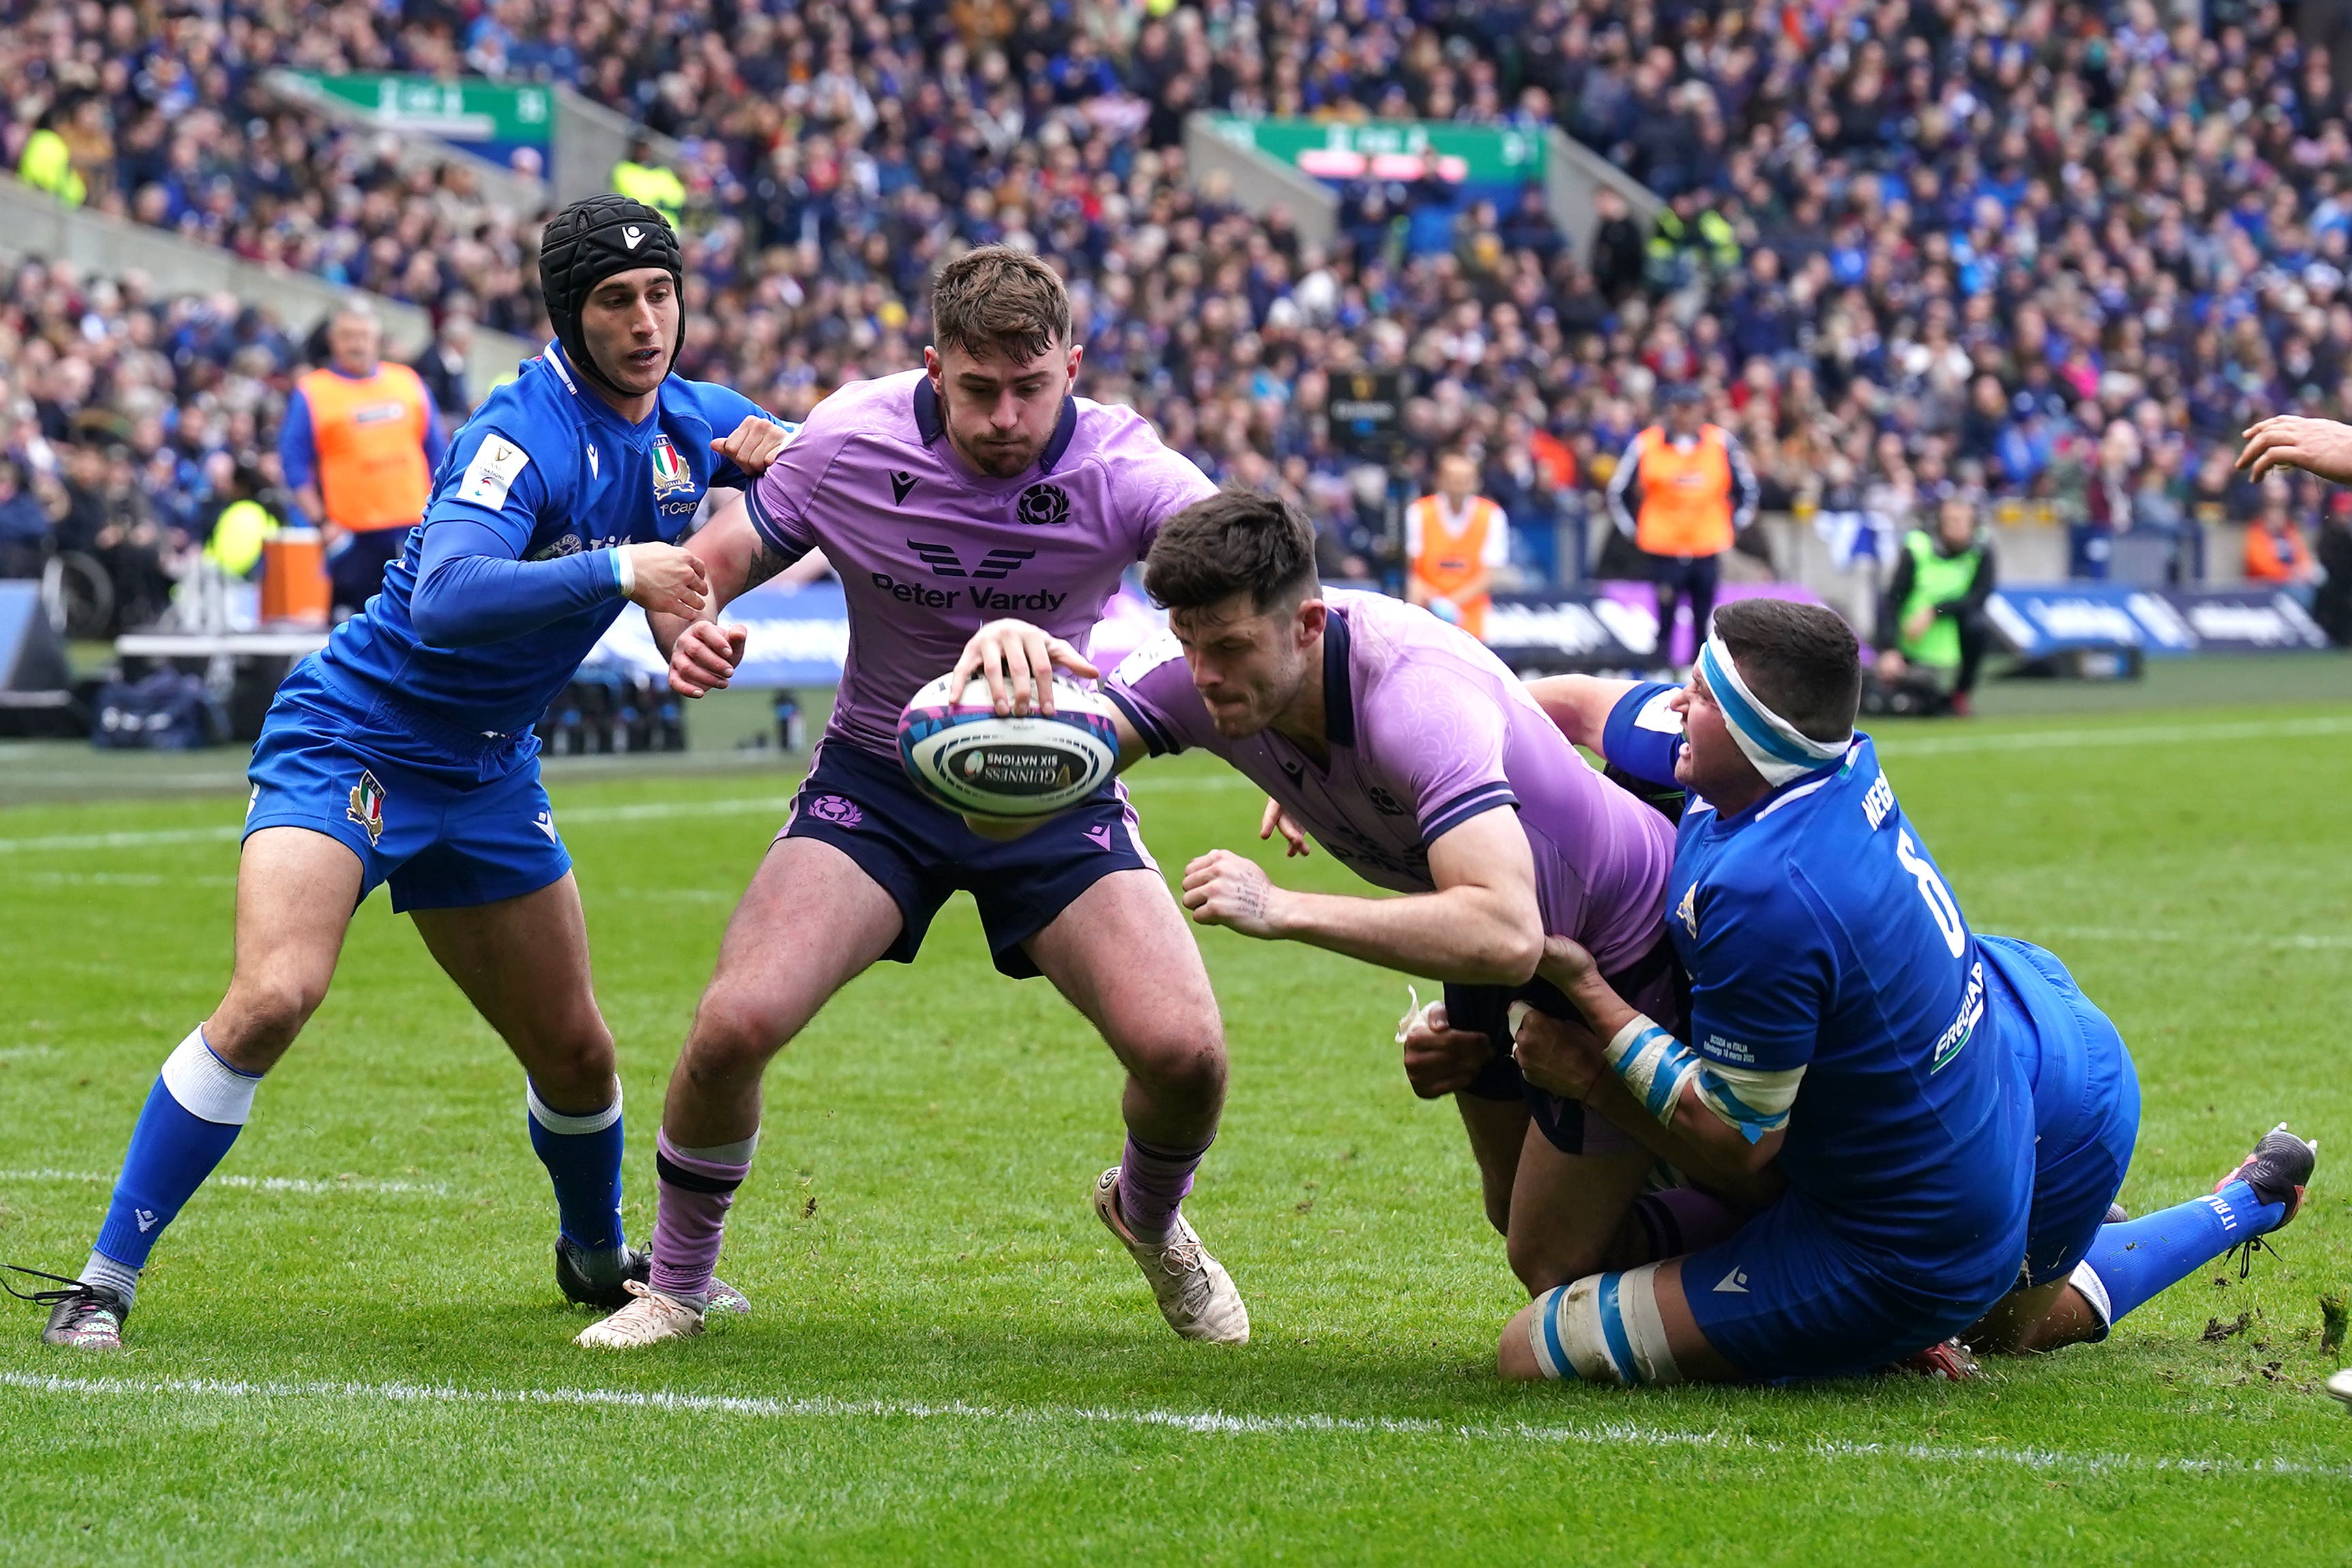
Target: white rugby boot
x=649, y=1319
x=1195, y=1294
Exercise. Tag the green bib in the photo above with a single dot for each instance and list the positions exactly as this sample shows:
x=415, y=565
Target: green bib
x=1935, y=579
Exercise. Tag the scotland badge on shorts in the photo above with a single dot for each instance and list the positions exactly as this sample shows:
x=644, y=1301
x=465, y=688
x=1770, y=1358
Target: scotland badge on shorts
x=367, y=806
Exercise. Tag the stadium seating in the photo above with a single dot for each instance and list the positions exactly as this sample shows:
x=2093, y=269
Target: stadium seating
x=2060, y=252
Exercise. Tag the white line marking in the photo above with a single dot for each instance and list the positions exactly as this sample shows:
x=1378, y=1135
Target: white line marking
x=2136, y=735
x=2288, y=943
x=642, y=811
x=299, y=1185
x=1607, y=1434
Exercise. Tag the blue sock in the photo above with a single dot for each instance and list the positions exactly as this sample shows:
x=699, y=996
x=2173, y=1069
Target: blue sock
x=193, y=1113
x=583, y=1156
x=2139, y=1259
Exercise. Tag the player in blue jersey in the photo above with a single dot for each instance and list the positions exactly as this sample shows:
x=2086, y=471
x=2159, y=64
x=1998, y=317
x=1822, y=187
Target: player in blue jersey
x=403, y=752
x=1839, y=1072
x=2086, y=1264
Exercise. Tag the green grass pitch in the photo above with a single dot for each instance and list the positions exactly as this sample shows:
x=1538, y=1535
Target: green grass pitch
x=352, y=1347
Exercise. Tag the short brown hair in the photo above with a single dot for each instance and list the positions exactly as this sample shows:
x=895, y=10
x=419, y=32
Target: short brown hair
x=1236, y=541
x=997, y=299
x=1801, y=660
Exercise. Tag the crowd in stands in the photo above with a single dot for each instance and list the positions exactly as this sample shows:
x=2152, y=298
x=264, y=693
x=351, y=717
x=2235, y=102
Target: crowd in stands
x=2055, y=251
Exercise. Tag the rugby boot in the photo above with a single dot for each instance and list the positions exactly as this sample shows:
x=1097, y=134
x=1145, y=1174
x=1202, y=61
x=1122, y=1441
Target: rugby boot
x=724, y=1298
x=649, y=1319
x=2278, y=1169
x=1950, y=1361
x=82, y=1317
x=1195, y=1294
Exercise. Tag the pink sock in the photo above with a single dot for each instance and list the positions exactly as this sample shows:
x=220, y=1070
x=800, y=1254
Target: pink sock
x=1683, y=1219
x=1151, y=1182
x=690, y=1214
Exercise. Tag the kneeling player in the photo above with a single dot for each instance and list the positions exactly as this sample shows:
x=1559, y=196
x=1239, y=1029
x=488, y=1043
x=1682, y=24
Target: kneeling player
x=2080, y=1273
x=1841, y=1050
x=1409, y=750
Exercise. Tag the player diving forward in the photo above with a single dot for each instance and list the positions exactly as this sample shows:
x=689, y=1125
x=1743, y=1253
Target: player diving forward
x=1854, y=1042
x=403, y=752
x=2082, y=1274
x=949, y=498
x=1417, y=759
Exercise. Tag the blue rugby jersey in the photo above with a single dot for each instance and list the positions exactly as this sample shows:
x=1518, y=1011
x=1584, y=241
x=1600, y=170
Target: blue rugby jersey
x=547, y=475
x=1819, y=934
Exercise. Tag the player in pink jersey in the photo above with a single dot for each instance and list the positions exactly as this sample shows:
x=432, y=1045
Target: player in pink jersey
x=1418, y=760
x=950, y=499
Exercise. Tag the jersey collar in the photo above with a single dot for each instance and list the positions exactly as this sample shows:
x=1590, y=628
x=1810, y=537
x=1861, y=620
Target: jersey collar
x=930, y=424
x=1338, y=699
x=595, y=406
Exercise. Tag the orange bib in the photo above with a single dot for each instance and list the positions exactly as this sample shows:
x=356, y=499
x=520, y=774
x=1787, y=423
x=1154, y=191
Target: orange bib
x=1449, y=559
x=370, y=439
x=1685, y=496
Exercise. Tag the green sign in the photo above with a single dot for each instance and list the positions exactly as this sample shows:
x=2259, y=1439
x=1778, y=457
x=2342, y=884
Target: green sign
x=1394, y=149
x=467, y=110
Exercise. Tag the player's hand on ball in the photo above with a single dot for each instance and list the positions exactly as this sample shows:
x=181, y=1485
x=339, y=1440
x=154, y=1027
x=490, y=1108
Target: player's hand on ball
x=667, y=579
x=752, y=446
x=2319, y=446
x=1222, y=888
x=1018, y=661
x=1438, y=1058
x=1563, y=1056
x=1277, y=820
x=704, y=657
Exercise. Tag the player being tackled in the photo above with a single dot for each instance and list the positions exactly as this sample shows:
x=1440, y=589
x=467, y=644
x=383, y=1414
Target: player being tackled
x=948, y=498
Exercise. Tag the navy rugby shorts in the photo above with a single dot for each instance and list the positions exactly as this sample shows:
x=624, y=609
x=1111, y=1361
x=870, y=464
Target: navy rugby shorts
x=450, y=818
x=867, y=807
x=1653, y=985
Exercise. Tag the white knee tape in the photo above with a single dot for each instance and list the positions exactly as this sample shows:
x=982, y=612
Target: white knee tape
x=2094, y=1290
x=1604, y=1328
x=564, y=1126
x=207, y=1086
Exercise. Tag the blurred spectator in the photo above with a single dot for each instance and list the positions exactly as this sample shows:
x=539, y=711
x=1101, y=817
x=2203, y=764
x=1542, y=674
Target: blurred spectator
x=110, y=520
x=47, y=163
x=2275, y=549
x=1931, y=625
x=24, y=526
x=442, y=368
x=2331, y=603
x=654, y=183
x=1455, y=539
x=242, y=526
x=358, y=446
x=1682, y=491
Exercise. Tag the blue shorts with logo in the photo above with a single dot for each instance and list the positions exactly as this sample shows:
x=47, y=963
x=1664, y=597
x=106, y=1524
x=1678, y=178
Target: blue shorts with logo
x=450, y=818
x=867, y=807
x=1790, y=1297
x=2085, y=1104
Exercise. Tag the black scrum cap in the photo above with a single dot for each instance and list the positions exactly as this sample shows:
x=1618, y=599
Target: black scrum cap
x=588, y=242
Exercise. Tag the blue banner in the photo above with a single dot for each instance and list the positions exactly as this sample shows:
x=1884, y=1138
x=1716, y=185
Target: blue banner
x=2034, y=622
x=799, y=637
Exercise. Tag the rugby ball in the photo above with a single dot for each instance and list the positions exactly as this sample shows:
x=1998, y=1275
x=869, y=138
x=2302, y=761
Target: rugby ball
x=960, y=754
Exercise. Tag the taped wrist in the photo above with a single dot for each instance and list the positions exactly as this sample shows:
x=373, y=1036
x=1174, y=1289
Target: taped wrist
x=625, y=571
x=1654, y=1064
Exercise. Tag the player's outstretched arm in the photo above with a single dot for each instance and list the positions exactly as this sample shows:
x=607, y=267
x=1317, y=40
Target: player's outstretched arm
x=734, y=560
x=2319, y=446
x=470, y=588
x=1580, y=704
x=1481, y=926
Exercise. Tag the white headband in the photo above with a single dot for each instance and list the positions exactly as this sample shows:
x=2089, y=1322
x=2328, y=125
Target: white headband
x=1778, y=748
